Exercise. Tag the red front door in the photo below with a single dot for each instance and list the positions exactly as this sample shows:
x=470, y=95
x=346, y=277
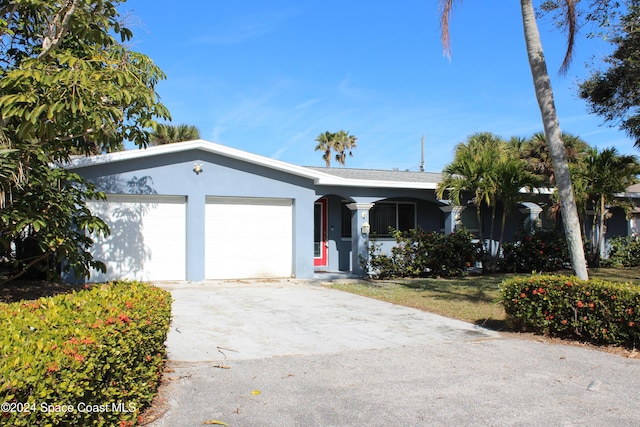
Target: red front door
x=320, y=233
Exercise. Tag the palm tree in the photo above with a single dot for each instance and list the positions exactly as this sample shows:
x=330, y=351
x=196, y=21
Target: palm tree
x=544, y=95
x=474, y=171
x=536, y=151
x=344, y=143
x=168, y=134
x=605, y=174
x=339, y=142
x=325, y=144
x=512, y=178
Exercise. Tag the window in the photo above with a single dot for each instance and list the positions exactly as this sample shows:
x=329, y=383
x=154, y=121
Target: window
x=346, y=222
x=397, y=215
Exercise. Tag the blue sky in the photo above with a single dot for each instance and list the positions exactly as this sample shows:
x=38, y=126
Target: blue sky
x=268, y=77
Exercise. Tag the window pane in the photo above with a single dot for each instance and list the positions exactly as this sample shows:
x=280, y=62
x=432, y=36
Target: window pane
x=406, y=216
x=346, y=221
x=383, y=216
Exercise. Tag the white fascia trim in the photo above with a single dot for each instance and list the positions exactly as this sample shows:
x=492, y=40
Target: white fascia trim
x=346, y=182
x=628, y=195
x=320, y=178
x=200, y=144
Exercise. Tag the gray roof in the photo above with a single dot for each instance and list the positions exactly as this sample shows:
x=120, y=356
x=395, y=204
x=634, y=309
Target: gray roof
x=380, y=175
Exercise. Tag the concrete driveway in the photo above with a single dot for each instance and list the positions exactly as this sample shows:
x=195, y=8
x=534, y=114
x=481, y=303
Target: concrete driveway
x=293, y=353
x=252, y=320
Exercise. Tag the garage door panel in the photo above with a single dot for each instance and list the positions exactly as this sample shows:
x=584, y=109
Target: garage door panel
x=147, y=241
x=248, y=238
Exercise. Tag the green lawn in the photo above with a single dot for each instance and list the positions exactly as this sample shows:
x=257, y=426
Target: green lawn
x=474, y=299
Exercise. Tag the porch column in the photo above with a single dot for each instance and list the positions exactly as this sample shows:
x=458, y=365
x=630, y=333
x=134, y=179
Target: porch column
x=454, y=218
x=533, y=221
x=359, y=240
x=631, y=227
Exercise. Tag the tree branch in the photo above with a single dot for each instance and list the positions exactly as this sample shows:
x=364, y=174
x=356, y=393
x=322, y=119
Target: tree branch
x=58, y=28
x=25, y=268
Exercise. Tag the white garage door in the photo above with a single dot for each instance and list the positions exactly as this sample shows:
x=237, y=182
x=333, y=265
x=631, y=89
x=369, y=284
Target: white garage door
x=248, y=238
x=148, y=237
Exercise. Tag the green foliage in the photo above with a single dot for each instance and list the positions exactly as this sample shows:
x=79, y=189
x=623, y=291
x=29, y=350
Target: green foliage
x=74, y=87
x=600, y=177
x=596, y=311
x=613, y=93
x=422, y=254
x=168, y=134
x=473, y=170
x=67, y=87
x=48, y=223
x=489, y=168
x=87, y=351
x=624, y=252
x=535, y=151
x=541, y=251
x=339, y=142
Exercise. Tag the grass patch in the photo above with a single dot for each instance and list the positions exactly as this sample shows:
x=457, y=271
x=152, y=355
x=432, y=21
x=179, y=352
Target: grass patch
x=474, y=299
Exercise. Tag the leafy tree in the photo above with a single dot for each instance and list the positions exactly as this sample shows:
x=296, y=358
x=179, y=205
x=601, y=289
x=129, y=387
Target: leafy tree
x=339, y=142
x=544, y=95
x=45, y=226
x=168, y=134
x=605, y=174
x=67, y=86
x=614, y=93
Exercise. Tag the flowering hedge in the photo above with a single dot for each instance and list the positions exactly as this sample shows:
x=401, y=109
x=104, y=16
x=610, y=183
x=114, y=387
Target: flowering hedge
x=419, y=253
x=93, y=357
x=596, y=311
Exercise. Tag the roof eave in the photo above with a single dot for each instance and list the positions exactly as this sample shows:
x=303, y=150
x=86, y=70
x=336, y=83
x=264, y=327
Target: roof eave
x=207, y=146
x=331, y=180
x=319, y=178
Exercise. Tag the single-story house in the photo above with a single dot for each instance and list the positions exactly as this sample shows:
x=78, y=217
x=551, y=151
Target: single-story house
x=199, y=210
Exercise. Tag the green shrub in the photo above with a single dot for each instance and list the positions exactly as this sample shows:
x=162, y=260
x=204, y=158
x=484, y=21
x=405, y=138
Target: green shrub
x=93, y=357
x=624, y=252
x=596, y=311
x=419, y=253
x=541, y=251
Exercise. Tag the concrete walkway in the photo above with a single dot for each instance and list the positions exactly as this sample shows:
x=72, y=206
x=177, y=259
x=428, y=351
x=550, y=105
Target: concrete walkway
x=292, y=353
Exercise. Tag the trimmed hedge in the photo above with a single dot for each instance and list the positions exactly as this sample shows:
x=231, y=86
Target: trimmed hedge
x=93, y=357
x=596, y=311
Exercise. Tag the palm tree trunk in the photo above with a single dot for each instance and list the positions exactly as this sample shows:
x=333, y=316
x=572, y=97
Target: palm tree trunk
x=544, y=94
x=601, y=240
x=479, y=216
x=485, y=266
x=503, y=225
x=493, y=266
x=594, y=231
